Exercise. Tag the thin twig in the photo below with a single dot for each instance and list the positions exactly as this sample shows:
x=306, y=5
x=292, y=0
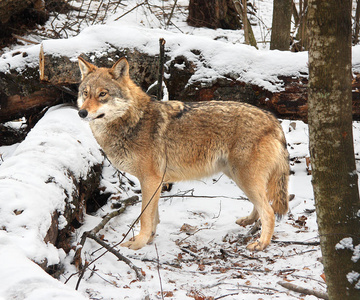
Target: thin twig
x=25, y=40
x=227, y=295
x=121, y=257
x=202, y=196
x=189, y=252
x=101, y=225
x=136, y=220
x=256, y=227
x=81, y=275
x=171, y=13
x=129, y=11
x=297, y=243
x=158, y=270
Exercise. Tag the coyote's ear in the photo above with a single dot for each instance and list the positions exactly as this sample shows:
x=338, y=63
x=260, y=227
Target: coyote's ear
x=85, y=67
x=120, y=68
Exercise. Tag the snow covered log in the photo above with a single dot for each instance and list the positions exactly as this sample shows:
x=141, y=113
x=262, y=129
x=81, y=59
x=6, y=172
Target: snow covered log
x=44, y=184
x=64, y=70
x=197, y=68
x=288, y=103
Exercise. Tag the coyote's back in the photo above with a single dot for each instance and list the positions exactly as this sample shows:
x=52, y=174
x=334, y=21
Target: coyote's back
x=175, y=141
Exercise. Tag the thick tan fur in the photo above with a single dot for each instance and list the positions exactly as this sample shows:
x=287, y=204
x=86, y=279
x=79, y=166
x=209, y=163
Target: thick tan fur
x=177, y=141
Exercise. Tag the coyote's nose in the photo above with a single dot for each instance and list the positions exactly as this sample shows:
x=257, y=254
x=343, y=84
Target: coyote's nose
x=83, y=113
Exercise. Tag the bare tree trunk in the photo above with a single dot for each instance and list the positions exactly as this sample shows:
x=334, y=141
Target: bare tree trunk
x=302, y=35
x=8, y=8
x=248, y=32
x=335, y=179
x=357, y=25
x=295, y=14
x=280, y=34
x=246, y=25
x=213, y=14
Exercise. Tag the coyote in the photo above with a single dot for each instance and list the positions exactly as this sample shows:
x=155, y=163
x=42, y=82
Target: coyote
x=169, y=141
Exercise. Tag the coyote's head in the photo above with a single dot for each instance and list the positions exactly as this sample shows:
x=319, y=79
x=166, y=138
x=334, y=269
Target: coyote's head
x=104, y=93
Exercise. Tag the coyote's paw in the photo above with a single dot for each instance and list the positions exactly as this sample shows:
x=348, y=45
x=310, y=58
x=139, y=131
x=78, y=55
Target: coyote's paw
x=245, y=221
x=136, y=242
x=257, y=246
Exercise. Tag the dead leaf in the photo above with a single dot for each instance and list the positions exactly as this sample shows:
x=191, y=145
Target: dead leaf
x=187, y=228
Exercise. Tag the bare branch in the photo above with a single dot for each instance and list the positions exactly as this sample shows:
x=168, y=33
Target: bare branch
x=302, y=290
x=121, y=257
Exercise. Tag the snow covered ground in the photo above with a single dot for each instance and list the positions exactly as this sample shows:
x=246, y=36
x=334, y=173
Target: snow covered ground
x=199, y=252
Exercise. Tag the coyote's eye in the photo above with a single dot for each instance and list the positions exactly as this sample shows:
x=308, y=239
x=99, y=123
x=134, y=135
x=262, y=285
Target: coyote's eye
x=102, y=94
x=85, y=93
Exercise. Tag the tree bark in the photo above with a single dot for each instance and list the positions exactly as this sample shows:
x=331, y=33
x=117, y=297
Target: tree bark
x=357, y=25
x=8, y=8
x=19, y=14
x=248, y=32
x=213, y=14
x=280, y=34
x=335, y=179
x=302, y=34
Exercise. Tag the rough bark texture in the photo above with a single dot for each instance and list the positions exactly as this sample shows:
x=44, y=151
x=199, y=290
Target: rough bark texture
x=248, y=32
x=331, y=144
x=302, y=33
x=15, y=13
x=280, y=34
x=213, y=14
x=9, y=8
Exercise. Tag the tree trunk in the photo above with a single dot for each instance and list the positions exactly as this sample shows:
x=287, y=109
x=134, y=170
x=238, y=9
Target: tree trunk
x=302, y=34
x=19, y=14
x=213, y=14
x=8, y=8
x=357, y=25
x=248, y=32
x=335, y=179
x=280, y=34
x=245, y=22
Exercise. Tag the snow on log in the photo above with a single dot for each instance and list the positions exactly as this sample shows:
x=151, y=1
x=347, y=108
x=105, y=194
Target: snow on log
x=197, y=68
x=22, y=279
x=44, y=184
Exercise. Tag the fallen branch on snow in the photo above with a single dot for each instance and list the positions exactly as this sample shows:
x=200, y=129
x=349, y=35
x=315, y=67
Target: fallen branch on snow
x=297, y=243
x=302, y=290
x=92, y=234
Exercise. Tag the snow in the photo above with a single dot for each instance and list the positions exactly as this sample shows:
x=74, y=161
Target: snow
x=218, y=58
x=25, y=279
x=208, y=207
x=345, y=243
x=33, y=184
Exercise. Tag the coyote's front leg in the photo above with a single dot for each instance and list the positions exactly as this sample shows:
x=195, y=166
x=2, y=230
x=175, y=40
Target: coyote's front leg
x=150, y=189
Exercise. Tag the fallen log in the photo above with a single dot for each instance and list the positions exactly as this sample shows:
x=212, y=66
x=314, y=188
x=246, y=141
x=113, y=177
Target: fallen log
x=284, y=95
x=289, y=103
x=22, y=94
x=45, y=183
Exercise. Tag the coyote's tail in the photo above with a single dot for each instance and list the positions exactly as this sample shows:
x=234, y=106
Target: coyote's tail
x=277, y=189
